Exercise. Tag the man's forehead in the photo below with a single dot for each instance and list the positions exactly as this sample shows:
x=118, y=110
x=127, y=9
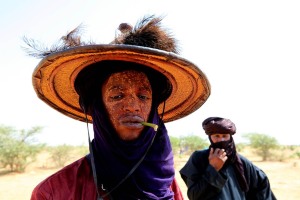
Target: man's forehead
x=129, y=73
x=220, y=134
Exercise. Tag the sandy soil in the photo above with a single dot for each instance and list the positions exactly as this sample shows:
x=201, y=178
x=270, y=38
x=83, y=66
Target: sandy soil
x=284, y=178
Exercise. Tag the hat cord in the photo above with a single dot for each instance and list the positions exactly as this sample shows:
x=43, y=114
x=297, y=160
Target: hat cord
x=92, y=157
x=99, y=197
x=162, y=114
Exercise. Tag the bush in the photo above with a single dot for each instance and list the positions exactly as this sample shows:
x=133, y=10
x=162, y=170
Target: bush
x=61, y=154
x=297, y=154
x=18, y=147
x=240, y=147
x=175, y=142
x=191, y=143
x=262, y=144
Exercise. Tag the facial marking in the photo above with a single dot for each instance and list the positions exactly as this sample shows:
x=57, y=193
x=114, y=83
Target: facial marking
x=127, y=97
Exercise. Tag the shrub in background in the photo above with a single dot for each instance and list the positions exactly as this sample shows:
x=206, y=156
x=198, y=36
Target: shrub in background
x=18, y=148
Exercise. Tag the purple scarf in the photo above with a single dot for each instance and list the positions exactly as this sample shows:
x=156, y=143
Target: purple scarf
x=114, y=159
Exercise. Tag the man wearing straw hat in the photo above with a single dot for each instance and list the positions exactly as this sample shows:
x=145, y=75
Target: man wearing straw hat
x=127, y=89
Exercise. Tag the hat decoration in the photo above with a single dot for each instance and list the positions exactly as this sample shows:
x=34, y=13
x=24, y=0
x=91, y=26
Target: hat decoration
x=147, y=44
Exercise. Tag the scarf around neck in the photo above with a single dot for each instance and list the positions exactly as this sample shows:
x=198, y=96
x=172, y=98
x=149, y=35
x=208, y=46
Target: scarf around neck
x=114, y=158
x=233, y=159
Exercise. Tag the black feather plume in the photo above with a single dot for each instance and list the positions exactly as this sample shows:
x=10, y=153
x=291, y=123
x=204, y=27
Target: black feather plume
x=39, y=50
x=148, y=32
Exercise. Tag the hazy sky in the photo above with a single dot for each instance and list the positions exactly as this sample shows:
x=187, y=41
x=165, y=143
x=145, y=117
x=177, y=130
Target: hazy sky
x=249, y=50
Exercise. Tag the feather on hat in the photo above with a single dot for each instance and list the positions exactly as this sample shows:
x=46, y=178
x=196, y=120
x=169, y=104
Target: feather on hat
x=147, y=44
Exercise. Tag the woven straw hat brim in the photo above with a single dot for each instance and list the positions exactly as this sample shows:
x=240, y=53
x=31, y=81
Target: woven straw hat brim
x=53, y=78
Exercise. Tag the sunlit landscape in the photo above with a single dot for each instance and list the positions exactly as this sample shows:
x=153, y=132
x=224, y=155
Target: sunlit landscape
x=284, y=175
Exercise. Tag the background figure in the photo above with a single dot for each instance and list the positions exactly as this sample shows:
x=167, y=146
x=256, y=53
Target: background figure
x=127, y=89
x=220, y=172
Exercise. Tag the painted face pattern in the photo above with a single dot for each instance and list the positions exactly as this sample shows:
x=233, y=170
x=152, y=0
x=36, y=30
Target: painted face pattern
x=127, y=98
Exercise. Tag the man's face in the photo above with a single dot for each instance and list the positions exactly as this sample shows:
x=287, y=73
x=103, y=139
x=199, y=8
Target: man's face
x=219, y=137
x=127, y=97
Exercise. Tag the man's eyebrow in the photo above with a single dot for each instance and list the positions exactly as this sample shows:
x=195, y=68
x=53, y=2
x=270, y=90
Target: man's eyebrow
x=143, y=87
x=115, y=87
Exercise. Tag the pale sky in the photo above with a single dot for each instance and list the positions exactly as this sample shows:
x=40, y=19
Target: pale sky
x=249, y=50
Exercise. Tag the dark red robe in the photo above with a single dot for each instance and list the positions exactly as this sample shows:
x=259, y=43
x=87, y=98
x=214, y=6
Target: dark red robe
x=75, y=182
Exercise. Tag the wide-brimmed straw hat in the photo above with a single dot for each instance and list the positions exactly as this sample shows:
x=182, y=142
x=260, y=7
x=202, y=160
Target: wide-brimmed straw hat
x=54, y=77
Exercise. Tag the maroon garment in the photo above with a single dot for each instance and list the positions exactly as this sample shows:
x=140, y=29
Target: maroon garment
x=75, y=182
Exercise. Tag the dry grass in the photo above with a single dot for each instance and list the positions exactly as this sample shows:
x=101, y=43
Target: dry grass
x=284, y=177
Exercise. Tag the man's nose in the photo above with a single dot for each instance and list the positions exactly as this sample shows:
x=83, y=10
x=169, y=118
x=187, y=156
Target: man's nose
x=131, y=104
x=220, y=139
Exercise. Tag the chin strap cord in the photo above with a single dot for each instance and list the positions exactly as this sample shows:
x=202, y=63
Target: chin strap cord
x=92, y=159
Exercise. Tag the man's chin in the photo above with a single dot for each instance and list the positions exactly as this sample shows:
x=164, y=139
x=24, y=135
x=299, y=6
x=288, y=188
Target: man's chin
x=130, y=134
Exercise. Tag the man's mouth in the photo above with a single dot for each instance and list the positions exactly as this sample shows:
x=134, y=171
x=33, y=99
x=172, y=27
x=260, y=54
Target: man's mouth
x=132, y=121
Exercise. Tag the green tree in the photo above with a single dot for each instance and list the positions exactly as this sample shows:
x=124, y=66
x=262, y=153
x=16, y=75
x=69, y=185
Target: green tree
x=240, y=147
x=175, y=142
x=18, y=148
x=262, y=143
x=190, y=143
x=61, y=154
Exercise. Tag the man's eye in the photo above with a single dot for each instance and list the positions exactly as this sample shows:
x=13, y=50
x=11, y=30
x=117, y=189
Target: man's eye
x=143, y=97
x=116, y=97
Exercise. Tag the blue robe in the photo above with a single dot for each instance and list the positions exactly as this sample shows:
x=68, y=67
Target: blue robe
x=204, y=182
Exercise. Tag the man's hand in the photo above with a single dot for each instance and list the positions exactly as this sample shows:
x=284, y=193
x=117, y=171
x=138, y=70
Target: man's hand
x=217, y=158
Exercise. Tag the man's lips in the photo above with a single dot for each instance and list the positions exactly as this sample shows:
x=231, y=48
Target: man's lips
x=133, y=121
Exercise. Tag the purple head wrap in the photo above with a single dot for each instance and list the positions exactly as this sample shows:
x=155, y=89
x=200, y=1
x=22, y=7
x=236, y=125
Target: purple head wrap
x=114, y=158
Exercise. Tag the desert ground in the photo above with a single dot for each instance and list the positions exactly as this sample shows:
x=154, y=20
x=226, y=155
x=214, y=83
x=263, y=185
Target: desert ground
x=284, y=177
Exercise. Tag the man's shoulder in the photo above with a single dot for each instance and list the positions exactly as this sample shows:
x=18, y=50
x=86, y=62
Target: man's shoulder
x=72, y=180
x=200, y=153
x=68, y=173
x=199, y=156
x=243, y=158
x=247, y=163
